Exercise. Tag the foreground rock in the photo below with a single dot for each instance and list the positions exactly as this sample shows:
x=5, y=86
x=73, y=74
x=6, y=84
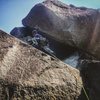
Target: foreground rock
x=29, y=74
x=76, y=26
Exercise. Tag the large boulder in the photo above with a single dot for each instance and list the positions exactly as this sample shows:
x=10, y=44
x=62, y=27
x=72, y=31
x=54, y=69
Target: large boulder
x=75, y=26
x=29, y=74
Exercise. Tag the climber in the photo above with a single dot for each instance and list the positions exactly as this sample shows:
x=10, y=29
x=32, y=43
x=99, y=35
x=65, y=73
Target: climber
x=41, y=42
x=39, y=38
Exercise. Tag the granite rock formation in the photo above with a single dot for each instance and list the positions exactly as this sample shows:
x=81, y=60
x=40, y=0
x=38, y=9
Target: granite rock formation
x=76, y=26
x=29, y=74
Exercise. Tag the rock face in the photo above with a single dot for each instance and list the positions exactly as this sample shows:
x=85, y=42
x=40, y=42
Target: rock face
x=76, y=26
x=90, y=70
x=57, y=47
x=29, y=74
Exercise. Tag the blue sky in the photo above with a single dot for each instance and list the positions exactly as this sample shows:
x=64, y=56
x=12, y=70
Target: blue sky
x=13, y=11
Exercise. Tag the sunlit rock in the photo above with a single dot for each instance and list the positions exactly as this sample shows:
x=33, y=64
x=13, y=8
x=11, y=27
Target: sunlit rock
x=29, y=74
x=76, y=26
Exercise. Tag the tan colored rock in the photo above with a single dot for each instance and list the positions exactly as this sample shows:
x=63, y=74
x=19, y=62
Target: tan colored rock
x=68, y=24
x=29, y=74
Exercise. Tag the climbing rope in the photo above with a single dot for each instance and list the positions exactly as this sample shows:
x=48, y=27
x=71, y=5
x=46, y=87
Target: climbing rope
x=85, y=93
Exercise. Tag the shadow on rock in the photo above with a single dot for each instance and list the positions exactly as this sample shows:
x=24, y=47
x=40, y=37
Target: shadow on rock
x=90, y=72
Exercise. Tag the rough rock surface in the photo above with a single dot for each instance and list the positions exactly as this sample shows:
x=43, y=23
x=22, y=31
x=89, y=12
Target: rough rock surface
x=29, y=74
x=90, y=70
x=77, y=26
